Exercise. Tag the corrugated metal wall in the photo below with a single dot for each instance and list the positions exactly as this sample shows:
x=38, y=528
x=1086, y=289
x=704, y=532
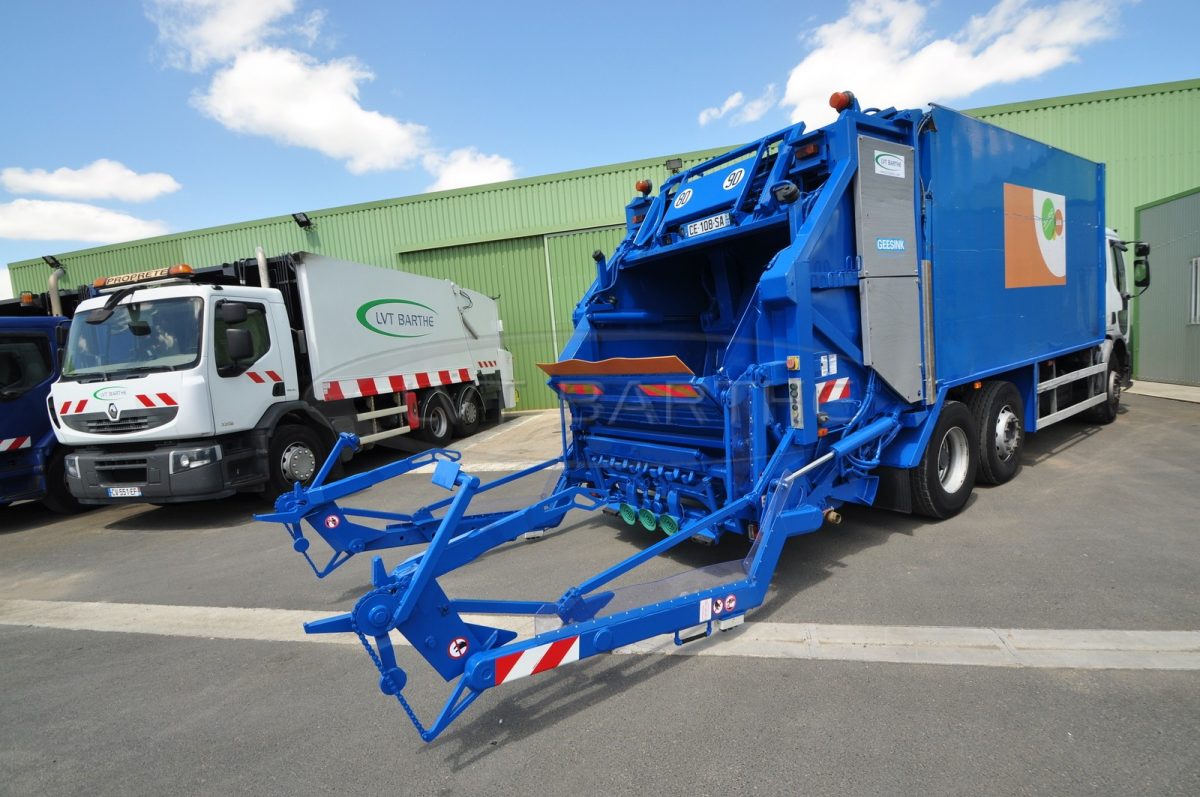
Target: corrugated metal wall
x=1167, y=345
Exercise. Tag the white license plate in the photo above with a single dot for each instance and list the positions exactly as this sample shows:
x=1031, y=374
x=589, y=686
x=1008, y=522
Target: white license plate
x=711, y=224
x=124, y=492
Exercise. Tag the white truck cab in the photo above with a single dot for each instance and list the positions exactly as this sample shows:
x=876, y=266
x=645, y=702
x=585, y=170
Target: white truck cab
x=181, y=385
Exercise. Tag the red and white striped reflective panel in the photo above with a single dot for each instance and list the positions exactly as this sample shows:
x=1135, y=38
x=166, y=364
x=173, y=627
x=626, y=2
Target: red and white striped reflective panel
x=259, y=377
x=488, y=364
x=535, y=660
x=670, y=391
x=580, y=389
x=833, y=390
x=156, y=400
x=398, y=383
x=15, y=443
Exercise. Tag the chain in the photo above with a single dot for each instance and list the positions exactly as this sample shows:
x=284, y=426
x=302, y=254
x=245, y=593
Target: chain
x=412, y=715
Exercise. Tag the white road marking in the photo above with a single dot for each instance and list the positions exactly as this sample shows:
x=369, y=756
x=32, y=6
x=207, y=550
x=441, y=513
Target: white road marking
x=1090, y=649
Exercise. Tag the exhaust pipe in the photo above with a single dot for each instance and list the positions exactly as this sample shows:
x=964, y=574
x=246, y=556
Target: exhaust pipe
x=264, y=277
x=52, y=288
x=833, y=516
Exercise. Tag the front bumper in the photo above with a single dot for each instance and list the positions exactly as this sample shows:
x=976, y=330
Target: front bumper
x=105, y=476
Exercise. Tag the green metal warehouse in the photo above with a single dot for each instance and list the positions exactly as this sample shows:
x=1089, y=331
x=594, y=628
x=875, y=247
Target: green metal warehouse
x=530, y=241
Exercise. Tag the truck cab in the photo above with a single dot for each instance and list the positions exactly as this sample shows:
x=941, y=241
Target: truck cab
x=182, y=385
x=151, y=367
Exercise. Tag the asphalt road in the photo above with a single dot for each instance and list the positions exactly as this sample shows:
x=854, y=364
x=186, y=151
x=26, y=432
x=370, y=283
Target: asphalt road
x=1098, y=532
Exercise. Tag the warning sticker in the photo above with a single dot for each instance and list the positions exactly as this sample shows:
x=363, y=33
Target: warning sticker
x=705, y=611
x=458, y=648
x=718, y=606
x=731, y=603
x=332, y=522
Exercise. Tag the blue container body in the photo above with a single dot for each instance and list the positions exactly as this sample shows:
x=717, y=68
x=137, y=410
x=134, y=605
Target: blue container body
x=981, y=327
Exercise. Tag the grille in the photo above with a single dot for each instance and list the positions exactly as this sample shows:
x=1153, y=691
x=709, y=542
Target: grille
x=134, y=421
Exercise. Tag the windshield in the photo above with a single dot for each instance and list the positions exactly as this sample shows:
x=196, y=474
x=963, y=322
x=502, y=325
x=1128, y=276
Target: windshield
x=139, y=337
x=24, y=364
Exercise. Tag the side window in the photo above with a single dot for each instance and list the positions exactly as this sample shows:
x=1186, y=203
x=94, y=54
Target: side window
x=1118, y=269
x=256, y=322
x=24, y=364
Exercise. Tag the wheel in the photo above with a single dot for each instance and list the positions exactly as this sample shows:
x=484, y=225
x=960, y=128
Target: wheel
x=468, y=411
x=942, y=481
x=999, y=417
x=58, y=496
x=1106, y=413
x=296, y=454
x=437, y=418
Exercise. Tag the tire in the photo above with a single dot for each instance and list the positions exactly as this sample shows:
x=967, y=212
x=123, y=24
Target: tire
x=468, y=412
x=58, y=498
x=1106, y=413
x=999, y=417
x=437, y=418
x=296, y=454
x=944, y=478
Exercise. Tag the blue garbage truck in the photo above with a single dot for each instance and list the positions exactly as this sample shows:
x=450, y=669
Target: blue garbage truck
x=875, y=312
x=32, y=329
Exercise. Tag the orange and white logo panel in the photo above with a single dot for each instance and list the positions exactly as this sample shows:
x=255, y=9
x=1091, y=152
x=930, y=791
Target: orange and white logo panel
x=1035, y=237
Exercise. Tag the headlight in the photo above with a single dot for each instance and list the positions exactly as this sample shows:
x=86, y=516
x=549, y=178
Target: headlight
x=188, y=458
x=71, y=463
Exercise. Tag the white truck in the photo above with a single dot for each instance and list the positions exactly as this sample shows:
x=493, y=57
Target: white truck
x=181, y=385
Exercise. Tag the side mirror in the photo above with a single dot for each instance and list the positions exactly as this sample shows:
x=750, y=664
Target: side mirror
x=1141, y=271
x=233, y=312
x=239, y=344
x=1141, y=249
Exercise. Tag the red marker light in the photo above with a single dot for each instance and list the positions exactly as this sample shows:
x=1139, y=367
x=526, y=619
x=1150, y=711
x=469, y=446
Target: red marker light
x=643, y=187
x=841, y=100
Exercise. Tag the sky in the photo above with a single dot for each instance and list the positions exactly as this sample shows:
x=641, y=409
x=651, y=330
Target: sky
x=124, y=120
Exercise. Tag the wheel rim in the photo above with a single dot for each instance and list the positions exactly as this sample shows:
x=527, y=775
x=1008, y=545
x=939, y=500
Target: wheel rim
x=1008, y=433
x=469, y=411
x=298, y=462
x=1114, y=388
x=439, y=422
x=953, y=457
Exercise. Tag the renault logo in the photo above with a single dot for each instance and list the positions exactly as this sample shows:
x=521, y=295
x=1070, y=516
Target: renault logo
x=114, y=413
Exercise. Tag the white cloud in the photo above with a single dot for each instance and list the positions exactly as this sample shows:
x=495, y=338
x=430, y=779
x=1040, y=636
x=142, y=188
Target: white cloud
x=100, y=179
x=297, y=100
x=885, y=53
x=467, y=166
x=43, y=220
x=199, y=33
x=310, y=28
x=714, y=113
x=756, y=108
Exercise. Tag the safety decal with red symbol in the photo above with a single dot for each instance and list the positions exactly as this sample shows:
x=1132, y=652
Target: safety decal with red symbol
x=332, y=521
x=718, y=605
x=731, y=603
x=458, y=647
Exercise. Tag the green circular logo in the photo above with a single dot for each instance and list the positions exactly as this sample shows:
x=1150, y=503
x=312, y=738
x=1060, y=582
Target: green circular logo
x=1048, y=223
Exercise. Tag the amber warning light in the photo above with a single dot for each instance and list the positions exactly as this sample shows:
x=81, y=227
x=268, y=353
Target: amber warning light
x=169, y=272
